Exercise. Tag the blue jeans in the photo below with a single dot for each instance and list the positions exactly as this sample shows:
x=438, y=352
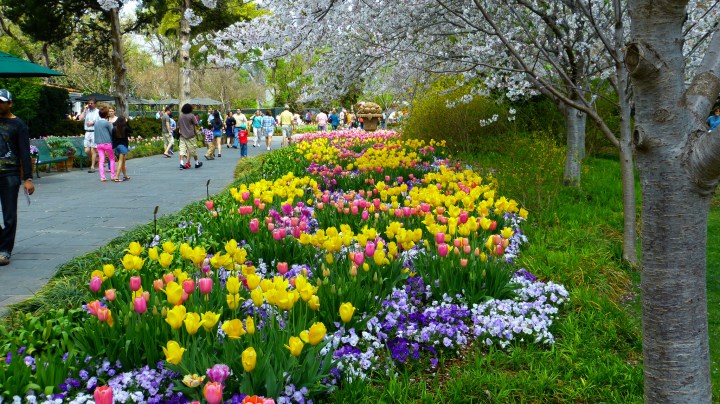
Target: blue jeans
x=243, y=149
x=9, y=189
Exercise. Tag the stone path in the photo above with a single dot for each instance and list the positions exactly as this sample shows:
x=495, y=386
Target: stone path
x=74, y=213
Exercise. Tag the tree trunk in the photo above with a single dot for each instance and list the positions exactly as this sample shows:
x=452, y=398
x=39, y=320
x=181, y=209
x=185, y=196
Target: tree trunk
x=575, y=122
x=676, y=201
x=118, y=62
x=184, y=59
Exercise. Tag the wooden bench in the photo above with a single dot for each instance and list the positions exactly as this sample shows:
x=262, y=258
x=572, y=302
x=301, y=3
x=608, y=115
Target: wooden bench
x=79, y=145
x=45, y=155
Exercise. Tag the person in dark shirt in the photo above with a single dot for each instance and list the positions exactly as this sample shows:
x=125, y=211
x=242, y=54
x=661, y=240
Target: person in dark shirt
x=14, y=171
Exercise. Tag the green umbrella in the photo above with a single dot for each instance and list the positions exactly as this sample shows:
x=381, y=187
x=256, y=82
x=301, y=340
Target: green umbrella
x=12, y=66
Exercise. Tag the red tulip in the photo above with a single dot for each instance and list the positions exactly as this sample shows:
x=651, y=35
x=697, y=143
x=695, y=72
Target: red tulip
x=93, y=307
x=493, y=225
x=463, y=218
x=188, y=285
x=103, y=395
x=282, y=267
x=209, y=204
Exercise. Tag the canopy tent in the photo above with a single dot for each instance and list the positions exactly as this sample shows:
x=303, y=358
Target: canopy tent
x=168, y=101
x=11, y=66
x=139, y=101
x=203, y=101
x=97, y=96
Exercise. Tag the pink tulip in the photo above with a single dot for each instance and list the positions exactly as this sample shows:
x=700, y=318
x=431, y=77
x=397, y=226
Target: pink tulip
x=359, y=259
x=276, y=234
x=188, y=285
x=95, y=284
x=103, y=395
x=387, y=178
x=467, y=249
x=400, y=179
x=158, y=284
x=463, y=262
x=296, y=232
x=168, y=278
x=257, y=201
x=463, y=218
x=365, y=214
x=146, y=295
x=103, y=314
x=319, y=205
x=439, y=237
x=354, y=210
x=362, y=193
x=135, y=283
x=282, y=267
x=93, y=307
x=271, y=226
x=245, y=195
x=294, y=221
x=209, y=204
x=499, y=250
x=261, y=206
x=398, y=212
x=370, y=248
x=110, y=294
x=302, y=225
x=254, y=225
x=218, y=373
x=205, y=285
x=443, y=249
x=140, y=305
x=406, y=211
x=213, y=392
x=457, y=242
x=325, y=198
x=425, y=207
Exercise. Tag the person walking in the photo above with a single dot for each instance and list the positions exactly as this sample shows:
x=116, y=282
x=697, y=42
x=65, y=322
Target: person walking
x=268, y=124
x=120, y=133
x=321, y=119
x=15, y=170
x=89, y=116
x=166, y=131
x=103, y=140
x=334, y=119
x=243, y=140
x=187, y=125
x=216, y=125
x=230, y=130
x=240, y=119
x=287, y=124
x=257, y=127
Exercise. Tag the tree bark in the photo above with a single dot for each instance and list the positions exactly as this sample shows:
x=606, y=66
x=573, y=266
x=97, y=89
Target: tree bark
x=676, y=204
x=184, y=59
x=118, y=62
x=575, y=123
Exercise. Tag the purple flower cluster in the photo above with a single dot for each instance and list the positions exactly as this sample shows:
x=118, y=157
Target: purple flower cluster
x=411, y=327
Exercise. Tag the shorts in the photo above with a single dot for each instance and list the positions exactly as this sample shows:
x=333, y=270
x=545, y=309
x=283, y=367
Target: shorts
x=188, y=147
x=217, y=133
x=287, y=131
x=269, y=133
x=89, y=140
x=121, y=149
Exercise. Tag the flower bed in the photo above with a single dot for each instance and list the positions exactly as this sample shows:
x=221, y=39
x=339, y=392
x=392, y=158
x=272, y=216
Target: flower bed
x=369, y=254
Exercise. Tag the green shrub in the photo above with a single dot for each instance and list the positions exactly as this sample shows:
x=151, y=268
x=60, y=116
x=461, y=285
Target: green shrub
x=145, y=127
x=68, y=127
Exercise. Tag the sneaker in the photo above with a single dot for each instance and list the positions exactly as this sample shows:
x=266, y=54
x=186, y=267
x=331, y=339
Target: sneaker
x=227, y=146
x=182, y=166
x=219, y=155
x=187, y=165
x=171, y=152
x=268, y=149
x=4, y=260
x=198, y=164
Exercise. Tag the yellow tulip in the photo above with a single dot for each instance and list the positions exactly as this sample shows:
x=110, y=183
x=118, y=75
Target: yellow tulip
x=316, y=333
x=175, y=317
x=192, y=323
x=314, y=303
x=174, y=293
x=135, y=248
x=233, y=328
x=231, y=246
x=173, y=352
x=132, y=262
x=153, y=253
x=295, y=345
x=250, y=325
x=257, y=297
x=346, y=312
x=523, y=213
x=197, y=256
x=165, y=260
x=169, y=247
x=253, y=281
x=249, y=359
x=109, y=270
x=266, y=284
x=233, y=285
x=209, y=319
x=507, y=233
x=233, y=301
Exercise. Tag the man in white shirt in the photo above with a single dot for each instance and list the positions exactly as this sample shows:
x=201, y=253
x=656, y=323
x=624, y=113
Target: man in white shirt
x=90, y=115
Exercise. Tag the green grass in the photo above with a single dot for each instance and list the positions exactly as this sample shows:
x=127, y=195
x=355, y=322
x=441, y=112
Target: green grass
x=713, y=290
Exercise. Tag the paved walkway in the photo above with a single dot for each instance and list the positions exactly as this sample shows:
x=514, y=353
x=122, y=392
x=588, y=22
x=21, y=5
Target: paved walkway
x=74, y=213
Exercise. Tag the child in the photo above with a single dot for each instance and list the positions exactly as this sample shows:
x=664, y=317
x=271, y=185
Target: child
x=208, y=134
x=243, y=140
